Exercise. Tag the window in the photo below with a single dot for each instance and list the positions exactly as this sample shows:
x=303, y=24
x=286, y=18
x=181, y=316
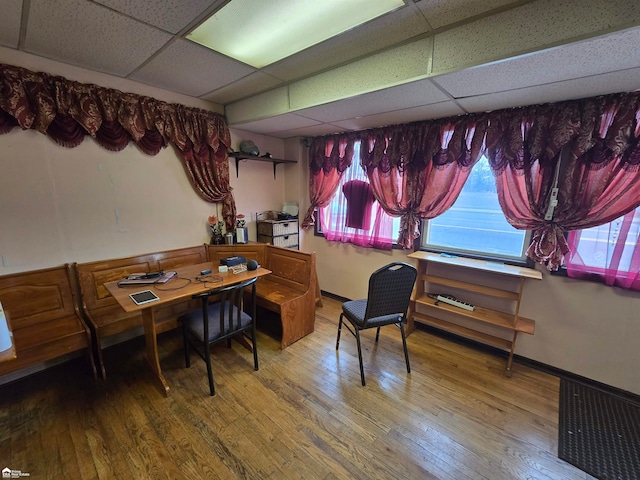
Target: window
x=609, y=253
x=475, y=225
x=353, y=215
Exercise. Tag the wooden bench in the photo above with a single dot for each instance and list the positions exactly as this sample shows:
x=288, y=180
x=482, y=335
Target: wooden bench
x=45, y=318
x=105, y=316
x=290, y=290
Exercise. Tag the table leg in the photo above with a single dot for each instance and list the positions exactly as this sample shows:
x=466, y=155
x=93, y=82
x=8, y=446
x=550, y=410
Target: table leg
x=148, y=320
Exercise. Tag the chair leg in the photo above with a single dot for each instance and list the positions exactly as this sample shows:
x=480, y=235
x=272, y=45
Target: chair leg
x=339, y=330
x=187, y=358
x=357, y=330
x=377, y=334
x=207, y=359
x=404, y=344
x=255, y=347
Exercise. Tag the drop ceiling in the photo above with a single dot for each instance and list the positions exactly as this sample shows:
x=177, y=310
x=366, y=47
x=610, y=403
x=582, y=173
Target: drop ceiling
x=427, y=59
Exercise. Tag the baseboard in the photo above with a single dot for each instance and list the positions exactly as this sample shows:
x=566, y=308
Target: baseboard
x=334, y=296
x=543, y=367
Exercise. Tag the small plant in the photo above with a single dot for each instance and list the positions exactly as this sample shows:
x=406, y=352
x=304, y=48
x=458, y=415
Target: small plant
x=215, y=225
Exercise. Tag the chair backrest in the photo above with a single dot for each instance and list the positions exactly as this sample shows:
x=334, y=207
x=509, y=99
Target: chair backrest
x=230, y=296
x=390, y=290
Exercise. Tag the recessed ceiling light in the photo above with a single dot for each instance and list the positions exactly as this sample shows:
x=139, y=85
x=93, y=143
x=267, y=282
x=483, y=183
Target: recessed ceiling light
x=260, y=33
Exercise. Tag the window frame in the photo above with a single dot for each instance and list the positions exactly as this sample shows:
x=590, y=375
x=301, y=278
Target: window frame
x=522, y=261
x=425, y=225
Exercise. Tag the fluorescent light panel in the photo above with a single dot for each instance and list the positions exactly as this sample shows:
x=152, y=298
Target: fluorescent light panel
x=262, y=32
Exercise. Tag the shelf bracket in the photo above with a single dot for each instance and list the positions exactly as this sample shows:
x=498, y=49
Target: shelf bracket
x=275, y=164
x=242, y=156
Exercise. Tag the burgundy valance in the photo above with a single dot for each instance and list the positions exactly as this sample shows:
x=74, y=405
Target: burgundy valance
x=587, y=149
x=68, y=111
x=59, y=107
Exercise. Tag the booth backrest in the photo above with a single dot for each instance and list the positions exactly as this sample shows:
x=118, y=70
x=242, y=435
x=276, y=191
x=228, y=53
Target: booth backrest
x=291, y=268
x=45, y=318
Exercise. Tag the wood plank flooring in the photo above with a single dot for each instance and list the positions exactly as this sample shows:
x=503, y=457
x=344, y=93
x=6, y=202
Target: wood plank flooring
x=303, y=415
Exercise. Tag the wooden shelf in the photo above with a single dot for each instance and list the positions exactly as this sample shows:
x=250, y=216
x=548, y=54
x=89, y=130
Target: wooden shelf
x=510, y=321
x=464, y=332
x=484, y=265
x=489, y=291
x=485, y=315
x=245, y=156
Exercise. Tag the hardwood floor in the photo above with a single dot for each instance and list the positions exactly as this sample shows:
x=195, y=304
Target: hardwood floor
x=304, y=414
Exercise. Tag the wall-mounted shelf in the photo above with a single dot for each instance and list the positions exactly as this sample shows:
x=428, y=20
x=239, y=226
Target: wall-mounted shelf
x=245, y=156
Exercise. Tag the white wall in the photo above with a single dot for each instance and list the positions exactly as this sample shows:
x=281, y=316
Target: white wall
x=60, y=205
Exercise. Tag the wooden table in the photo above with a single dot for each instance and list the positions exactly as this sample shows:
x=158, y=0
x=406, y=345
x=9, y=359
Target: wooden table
x=169, y=293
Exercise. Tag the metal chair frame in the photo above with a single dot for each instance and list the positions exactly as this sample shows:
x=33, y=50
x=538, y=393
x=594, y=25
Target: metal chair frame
x=229, y=303
x=387, y=302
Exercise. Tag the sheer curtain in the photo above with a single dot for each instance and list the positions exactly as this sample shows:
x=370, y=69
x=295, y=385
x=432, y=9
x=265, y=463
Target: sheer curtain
x=329, y=157
x=418, y=170
x=608, y=253
x=415, y=171
x=356, y=218
x=591, y=145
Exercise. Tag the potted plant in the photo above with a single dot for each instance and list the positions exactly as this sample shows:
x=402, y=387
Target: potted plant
x=216, y=226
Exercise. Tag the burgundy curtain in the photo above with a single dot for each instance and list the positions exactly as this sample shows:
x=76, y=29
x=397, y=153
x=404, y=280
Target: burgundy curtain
x=68, y=111
x=329, y=157
x=206, y=172
x=418, y=170
x=597, y=177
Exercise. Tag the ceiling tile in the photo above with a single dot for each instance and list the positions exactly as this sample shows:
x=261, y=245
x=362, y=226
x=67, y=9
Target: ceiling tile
x=10, y=23
x=618, y=51
x=623, y=81
x=272, y=103
x=252, y=84
x=404, y=96
x=189, y=68
x=377, y=35
x=169, y=15
x=84, y=34
x=407, y=115
x=277, y=123
x=532, y=26
x=386, y=69
x=311, y=131
x=445, y=12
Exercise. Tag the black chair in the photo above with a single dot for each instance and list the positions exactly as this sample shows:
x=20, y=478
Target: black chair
x=218, y=321
x=387, y=303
